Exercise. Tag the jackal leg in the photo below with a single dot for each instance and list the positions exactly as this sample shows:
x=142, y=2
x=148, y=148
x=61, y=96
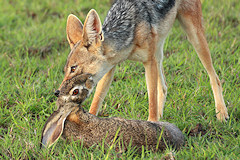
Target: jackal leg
x=101, y=91
x=162, y=87
x=190, y=19
x=151, y=79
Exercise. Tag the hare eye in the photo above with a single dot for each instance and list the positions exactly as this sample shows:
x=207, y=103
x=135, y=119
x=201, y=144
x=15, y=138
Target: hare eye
x=75, y=92
x=73, y=68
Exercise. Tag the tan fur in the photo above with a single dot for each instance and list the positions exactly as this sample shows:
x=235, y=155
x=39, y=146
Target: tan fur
x=192, y=24
x=103, y=86
x=73, y=118
x=141, y=44
x=72, y=30
x=100, y=58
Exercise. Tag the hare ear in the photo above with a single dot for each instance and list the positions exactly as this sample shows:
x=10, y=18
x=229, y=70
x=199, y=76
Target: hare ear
x=92, y=29
x=53, y=128
x=74, y=30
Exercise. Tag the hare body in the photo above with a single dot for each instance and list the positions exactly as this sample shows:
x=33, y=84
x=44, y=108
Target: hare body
x=72, y=122
x=93, y=130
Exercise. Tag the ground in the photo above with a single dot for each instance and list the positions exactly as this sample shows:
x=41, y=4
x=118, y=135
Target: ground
x=33, y=52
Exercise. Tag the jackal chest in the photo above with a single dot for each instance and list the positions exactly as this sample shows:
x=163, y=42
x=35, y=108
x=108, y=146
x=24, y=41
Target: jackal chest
x=140, y=55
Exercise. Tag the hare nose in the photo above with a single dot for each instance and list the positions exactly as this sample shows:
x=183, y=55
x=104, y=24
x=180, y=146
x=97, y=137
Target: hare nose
x=57, y=92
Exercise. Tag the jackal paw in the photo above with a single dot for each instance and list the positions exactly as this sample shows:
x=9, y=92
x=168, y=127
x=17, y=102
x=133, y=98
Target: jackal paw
x=222, y=113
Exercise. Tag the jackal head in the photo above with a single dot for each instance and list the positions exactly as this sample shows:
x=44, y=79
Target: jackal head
x=86, y=56
x=75, y=90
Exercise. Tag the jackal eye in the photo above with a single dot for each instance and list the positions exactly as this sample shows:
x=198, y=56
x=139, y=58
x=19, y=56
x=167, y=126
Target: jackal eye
x=75, y=92
x=73, y=68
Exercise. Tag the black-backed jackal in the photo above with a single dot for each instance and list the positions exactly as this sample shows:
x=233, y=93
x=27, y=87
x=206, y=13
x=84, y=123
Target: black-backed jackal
x=136, y=30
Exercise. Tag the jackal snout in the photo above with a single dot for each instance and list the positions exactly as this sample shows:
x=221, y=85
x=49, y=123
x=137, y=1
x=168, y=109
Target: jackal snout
x=75, y=90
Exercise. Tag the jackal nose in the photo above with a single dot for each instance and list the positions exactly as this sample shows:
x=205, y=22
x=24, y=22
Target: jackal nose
x=57, y=92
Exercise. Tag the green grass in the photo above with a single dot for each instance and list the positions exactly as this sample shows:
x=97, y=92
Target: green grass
x=33, y=53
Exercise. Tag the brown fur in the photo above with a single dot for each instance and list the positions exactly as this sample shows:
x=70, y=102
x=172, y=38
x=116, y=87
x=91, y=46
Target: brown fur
x=93, y=130
x=119, y=132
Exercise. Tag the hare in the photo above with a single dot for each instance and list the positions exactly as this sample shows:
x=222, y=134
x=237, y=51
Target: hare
x=72, y=122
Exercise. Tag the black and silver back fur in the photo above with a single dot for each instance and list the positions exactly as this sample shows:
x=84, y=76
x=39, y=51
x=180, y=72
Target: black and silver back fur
x=121, y=21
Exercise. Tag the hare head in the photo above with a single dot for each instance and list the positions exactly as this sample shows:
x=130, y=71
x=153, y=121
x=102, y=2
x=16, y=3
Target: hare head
x=72, y=93
x=75, y=90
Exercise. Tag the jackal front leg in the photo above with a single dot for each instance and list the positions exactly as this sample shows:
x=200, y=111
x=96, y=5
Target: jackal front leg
x=101, y=91
x=151, y=74
x=162, y=90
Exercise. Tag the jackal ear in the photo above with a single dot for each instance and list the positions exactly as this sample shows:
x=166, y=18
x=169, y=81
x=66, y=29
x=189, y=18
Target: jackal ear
x=92, y=29
x=53, y=128
x=74, y=30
